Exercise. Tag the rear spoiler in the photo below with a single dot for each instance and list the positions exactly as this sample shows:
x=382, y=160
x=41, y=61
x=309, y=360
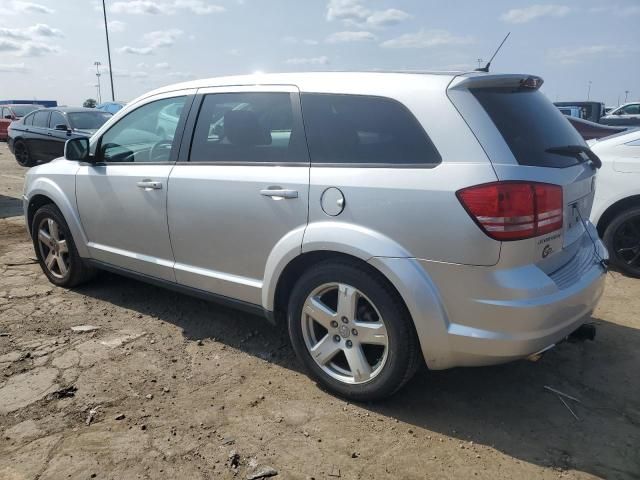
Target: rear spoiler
x=467, y=81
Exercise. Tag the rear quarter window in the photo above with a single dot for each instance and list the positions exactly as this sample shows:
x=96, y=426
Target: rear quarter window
x=364, y=130
x=530, y=124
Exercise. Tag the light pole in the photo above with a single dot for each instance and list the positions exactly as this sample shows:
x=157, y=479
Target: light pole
x=97, y=85
x=97, y=64
x=589, y=91
x=106, y=31
x=626, y=95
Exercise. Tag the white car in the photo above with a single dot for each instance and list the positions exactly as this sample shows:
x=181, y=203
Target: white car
x=616, y=208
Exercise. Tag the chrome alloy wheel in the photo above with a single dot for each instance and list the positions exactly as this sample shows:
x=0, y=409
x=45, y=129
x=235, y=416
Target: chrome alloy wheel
x=53, y=248
x=344, y=333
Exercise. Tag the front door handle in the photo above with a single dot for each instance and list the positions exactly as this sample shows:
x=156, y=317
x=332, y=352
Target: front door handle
x=150, y=184
x=278, y=193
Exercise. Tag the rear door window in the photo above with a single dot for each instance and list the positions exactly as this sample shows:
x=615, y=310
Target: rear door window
x=530, y=124
x=252, y=127
x=364, y=130
x=41, y=119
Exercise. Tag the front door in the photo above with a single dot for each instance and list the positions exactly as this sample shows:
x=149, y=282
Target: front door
x=122, y=199
x=239, y=190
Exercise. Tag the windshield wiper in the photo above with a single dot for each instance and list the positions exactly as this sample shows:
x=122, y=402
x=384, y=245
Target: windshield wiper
x=577, y=151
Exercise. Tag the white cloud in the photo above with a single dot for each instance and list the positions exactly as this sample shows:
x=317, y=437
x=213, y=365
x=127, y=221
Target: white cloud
x=308, y=61
x=158, y=7
x=162, y=38
x=115, y=26
x=39, y=30
x=15, y=7
x=343, y=37
x=135, y=50
x=586, y=53
x=426, y=39
x=162, y=66
x=9, y=46
x=36, y=49
x=13, y=68
x=533, y=12
x=347, y=10
x=391, y=16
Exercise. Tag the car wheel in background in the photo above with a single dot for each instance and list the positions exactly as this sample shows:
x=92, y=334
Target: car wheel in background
x=55, y=249
x=21, y=152
x=352, y=331
x=622, y=238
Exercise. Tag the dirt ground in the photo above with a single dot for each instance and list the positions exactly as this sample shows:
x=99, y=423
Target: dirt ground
x=168, y=386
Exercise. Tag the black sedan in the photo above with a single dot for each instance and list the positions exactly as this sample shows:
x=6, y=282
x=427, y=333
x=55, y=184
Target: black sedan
x=41, y=135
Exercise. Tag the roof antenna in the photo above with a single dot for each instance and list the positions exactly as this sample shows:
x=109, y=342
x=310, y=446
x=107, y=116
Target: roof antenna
x=486, y=67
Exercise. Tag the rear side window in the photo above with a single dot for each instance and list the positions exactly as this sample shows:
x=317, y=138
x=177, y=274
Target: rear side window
x=530, y=124
x=364, y=130
x=41, y=119
x=254, y=127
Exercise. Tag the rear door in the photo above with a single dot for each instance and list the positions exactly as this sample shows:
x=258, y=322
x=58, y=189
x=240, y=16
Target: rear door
x=528, y=125
x=37, y=137
x=240, y=187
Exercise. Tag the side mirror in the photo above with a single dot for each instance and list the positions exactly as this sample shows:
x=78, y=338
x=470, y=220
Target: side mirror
x=77, y=149
x=61, y=126
x=8, y=117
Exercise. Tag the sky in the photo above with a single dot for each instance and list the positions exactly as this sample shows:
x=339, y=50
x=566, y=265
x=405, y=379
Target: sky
x=48, y=47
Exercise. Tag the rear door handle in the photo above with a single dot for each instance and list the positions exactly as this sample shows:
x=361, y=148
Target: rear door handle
x=150, y=184
x=277, y=193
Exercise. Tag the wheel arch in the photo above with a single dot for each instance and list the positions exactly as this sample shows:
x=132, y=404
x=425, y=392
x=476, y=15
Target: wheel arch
x=614, y=209
x=44, y=191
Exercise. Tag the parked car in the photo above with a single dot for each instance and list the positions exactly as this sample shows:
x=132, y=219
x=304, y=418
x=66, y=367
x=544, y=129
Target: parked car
x=592, y=111
x=627, y=114
x=408, y=217
x=616, y=208
x=41, y=135
x=110, y=107
x=11, y=113
x=590, y=130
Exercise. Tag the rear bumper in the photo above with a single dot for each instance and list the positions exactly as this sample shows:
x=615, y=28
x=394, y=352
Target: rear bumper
x=495, y=316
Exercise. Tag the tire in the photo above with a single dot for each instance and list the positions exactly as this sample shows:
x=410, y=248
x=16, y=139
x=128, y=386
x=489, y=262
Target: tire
x=52, y=255
x=622, y=239
x=376, y=302
x=23, y=157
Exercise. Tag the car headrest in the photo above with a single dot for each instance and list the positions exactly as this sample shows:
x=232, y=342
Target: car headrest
x=242, y=127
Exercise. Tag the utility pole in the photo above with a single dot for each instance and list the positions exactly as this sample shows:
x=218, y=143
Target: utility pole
x=97, y=64
x=106, y=31
x=589, y=91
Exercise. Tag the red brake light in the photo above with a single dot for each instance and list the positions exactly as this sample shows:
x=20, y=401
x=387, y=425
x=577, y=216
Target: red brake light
x=514, y=210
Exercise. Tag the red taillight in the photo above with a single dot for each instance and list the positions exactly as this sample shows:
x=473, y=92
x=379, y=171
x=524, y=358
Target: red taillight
x=514, y=210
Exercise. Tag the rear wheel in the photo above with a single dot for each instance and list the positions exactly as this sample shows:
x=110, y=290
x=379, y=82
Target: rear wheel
x=352, y=332
x=56, y=250
x=21, y=152
x=622, y=238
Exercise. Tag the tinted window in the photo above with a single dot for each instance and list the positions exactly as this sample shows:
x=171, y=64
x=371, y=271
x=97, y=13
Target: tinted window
x=632, y=109
x=88, y=120
x=143, y=135
x=529, y=124
x=41, y=119
x=28, y=120
x=57, y=119
x=364, y=130
x=248, y=127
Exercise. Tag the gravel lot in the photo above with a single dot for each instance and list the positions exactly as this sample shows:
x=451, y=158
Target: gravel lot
x=168, y=386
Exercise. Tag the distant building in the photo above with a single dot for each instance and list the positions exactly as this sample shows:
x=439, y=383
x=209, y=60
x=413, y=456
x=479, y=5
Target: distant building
x=44, y=103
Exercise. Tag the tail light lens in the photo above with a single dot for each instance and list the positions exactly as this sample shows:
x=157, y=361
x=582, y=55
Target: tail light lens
x=514, y=210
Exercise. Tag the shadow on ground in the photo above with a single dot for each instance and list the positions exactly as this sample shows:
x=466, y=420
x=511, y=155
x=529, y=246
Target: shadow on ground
x=505, y=407
x=10, y=207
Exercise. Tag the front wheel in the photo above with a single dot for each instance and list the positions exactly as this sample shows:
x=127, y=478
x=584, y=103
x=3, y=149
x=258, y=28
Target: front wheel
x=55, y=249
x=23, y=157
x=352, y=331
x=622, y=238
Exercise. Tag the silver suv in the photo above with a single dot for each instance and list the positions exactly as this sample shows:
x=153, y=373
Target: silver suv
x=388, y=217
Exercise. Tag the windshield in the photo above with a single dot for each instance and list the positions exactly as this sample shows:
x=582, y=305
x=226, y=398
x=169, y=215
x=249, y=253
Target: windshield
x=530, y=124
x=88, y=120
x=22, y=110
